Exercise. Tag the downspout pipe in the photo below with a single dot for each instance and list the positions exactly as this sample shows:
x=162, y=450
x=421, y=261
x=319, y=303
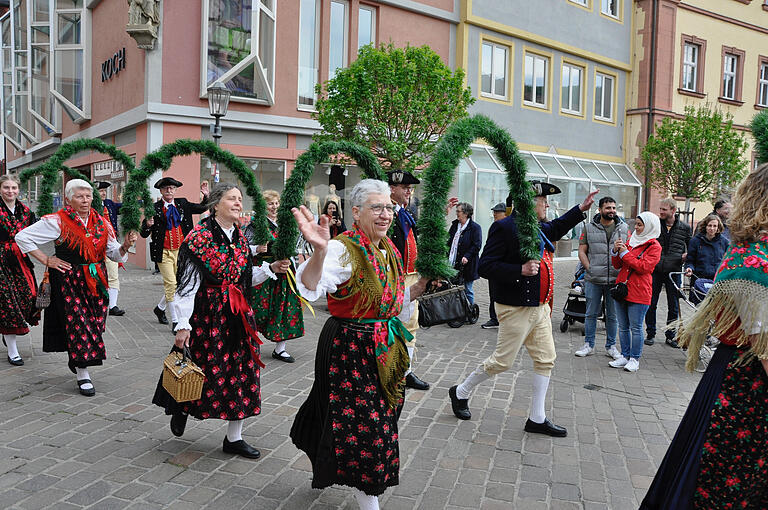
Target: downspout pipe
x=651, y=98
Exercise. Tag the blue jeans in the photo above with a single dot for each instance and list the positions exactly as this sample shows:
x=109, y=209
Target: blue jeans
x=470, y=293
x=595, y=295
x=673, y=304
x=631, y=317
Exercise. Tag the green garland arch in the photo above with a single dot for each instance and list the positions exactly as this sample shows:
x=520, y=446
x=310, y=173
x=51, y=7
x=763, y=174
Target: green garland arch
x=432, y=261
x=759, y=127
x=162, y=158
x=293, y=193
x=50, y=169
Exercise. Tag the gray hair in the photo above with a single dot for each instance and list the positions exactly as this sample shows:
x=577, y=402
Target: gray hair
x=76, y=184
x=363, y=189
x=218, y=192
x=466, y=208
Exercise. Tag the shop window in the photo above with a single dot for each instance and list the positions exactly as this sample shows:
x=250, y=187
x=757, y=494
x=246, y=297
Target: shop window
x=762, y=82
x=309, y=29
x=339, y=29
x=733, y=70
x=239, y=48
x=536, y=80
x=571, y=85
x=494, y=66
x=269, y=174
x=9, y=129
x=71, y=83
x=41, y=102
x=366, y=26
x=22, y=117
x=604, y=95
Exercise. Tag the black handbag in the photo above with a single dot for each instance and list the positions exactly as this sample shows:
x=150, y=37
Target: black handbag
x=620, y=290
x=442, y=306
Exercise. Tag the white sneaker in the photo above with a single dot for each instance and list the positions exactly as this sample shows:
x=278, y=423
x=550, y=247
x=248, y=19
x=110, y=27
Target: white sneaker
x=619, y=362
x=585, y=351
x=632, y=365
x=613, y=352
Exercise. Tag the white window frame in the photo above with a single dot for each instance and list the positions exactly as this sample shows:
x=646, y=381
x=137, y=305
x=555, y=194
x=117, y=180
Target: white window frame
x=547, y=77
x=264, y=77
x=78, y=115
x=51, y=124
x=494, y=94
x=345, y=30
x=582, y=74
x=602, y=104
x=372, y=10
x=583, y=3
x=762, y=88
x=605, y=8
x=6, y=129
x=315, y=57
x=691, y=65
x=30, y=132
x=730, y=75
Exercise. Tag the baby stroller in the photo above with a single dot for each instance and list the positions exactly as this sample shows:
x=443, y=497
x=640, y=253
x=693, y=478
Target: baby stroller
x=473, y=311
x=692, y=295
x=575, y=307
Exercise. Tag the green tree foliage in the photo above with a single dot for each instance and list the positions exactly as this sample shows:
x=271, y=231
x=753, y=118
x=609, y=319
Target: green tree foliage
x=396, y=101
x=697, y=156
x=759, y=127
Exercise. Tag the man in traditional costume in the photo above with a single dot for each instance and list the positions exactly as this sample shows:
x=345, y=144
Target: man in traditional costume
x=348, y=424
x=111, y=210
x=404, y=236
x=75, y=320
x=522, y=291
x=168, y=227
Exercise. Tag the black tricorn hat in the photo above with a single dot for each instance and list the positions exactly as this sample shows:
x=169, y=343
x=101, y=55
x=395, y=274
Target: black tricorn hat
x=542, y=189
x=401, y=177
x=102, y=184
x=168, y=181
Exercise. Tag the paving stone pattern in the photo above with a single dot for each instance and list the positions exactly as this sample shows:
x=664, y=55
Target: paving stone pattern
x=60, y=450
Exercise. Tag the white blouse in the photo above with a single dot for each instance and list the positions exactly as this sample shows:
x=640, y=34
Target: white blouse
x=185, y=305
x=335, y=273
x=48, y=229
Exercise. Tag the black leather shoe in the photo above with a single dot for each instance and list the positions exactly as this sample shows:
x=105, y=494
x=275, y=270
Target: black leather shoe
x=412, y=381
x=178, y=424
x=649, y=341
x=86, y=392
x=17, y=362
x=672, y=343
x=241, y=448
x=547, y=428
x=460, y=406
x=283, y=356
x=160, y=314
x=116, y=311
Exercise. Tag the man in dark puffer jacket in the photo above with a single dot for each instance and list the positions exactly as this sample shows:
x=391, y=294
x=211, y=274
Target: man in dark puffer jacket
x=674, y=239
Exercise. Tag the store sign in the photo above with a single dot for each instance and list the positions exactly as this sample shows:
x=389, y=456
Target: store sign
x=113, y=66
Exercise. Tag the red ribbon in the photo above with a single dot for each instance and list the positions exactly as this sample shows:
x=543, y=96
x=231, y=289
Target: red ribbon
x=239, y=306
x=24, y=269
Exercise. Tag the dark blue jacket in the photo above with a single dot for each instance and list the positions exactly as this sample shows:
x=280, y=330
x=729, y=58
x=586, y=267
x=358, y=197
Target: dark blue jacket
x=501, y=263
x=470, y=241
x=113, y=208
x=704, y=256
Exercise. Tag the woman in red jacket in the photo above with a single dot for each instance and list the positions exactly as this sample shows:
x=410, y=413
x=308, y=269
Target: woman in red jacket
x=636, y=260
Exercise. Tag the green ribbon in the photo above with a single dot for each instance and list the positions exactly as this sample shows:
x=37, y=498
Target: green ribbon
x=95, y=275
x=395, y=327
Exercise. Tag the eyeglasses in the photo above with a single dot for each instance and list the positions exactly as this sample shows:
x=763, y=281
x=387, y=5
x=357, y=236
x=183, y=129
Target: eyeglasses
x=379, y=208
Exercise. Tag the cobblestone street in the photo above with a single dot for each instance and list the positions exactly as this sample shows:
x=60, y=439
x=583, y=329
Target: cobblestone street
x=60, y=450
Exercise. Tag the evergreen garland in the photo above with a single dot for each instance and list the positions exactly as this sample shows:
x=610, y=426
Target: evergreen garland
x=759, y=127
x=162, y=158
x=50, y=170
x=432, y=261
x=293, y=193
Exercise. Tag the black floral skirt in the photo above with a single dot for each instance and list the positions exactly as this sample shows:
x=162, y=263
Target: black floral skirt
x=219, y=346
x=345, y=427
x=17, y=307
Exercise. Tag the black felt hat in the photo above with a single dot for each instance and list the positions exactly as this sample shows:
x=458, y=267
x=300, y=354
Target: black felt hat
x=102, y=184
x=542, y=189
x=168, y=181
x=401, y=177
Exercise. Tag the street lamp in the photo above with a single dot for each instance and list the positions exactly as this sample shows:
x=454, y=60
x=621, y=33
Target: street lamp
x=218, y=102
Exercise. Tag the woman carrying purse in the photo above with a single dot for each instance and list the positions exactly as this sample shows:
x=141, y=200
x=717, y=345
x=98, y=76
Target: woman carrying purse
x=636, y=261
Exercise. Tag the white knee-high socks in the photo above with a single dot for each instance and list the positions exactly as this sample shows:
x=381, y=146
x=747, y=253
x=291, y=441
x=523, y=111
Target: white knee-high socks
x=162, y=303
x=82, y=373
x=410, y=357
x=364, y=501
x=234, y=430
x=280, y=347
x=540, y=385
x=13, y=350
x=113, y=297
x=464, y=390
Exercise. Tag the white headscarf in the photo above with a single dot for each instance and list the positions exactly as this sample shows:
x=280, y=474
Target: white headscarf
x=652, y=229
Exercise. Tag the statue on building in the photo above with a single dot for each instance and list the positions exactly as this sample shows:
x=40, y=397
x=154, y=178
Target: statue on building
x=143, y=20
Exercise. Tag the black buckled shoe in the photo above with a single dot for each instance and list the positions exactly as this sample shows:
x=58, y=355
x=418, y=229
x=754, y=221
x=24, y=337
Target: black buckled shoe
x=547, y=427
x=116, y=311
x=460, y=406
x=283, y=356
x=17, y=362
x=160, y=314
x=240, y=448
x=178, y=424
x=89, y=392
x=412, y=381
x=672, y=343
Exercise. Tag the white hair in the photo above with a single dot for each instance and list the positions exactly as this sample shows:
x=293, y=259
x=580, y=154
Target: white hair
x=365, y=188
x=75, y=184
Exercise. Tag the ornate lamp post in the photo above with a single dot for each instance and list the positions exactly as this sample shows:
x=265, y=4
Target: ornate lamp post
x=218, y=102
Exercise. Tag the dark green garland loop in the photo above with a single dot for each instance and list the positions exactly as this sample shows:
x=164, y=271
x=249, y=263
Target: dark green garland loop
x=293, y=194
x=50, y=169
x=432, y=261
x=162, y=158
x=759, y=127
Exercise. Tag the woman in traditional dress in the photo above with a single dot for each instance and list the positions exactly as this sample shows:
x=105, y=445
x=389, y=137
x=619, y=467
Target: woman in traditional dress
x=76, y=317
x=719, y=455
x=18, y=286
x=348, y=424
x=276, y=304
x=335, y=224
x=216, y=322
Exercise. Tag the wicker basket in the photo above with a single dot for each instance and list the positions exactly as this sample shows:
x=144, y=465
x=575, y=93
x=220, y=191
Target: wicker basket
x=182, y=379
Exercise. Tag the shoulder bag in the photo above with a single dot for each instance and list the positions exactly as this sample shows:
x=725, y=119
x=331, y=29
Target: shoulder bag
x=620, y=290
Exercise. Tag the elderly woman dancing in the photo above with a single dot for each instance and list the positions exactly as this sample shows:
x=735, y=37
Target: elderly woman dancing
x=76, y=317
x=216, y=322
x=17, y=273
x=348, y=424
x=718, y=458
